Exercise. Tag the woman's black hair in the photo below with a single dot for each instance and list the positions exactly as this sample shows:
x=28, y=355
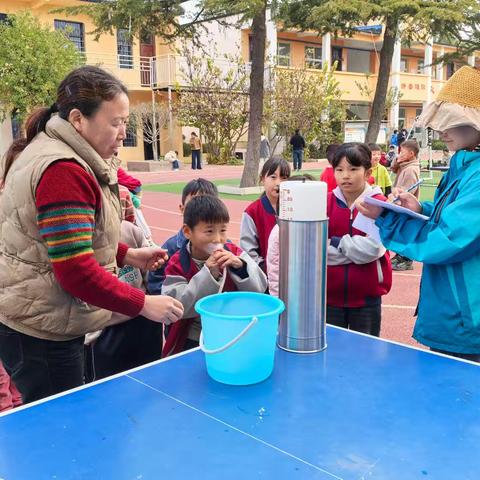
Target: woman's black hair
x=357, y=154
x=84, y=88
x=205, y=208
x=272, y=165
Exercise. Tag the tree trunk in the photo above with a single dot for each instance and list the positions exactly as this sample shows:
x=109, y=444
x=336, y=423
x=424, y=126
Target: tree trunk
x=255, y=117
x=386, y=56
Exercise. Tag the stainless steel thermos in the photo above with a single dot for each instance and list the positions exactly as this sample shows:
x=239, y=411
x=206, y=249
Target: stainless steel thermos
x=303, y=241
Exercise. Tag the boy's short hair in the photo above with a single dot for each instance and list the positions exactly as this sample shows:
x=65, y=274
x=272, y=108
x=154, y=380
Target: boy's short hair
x=391, y=146
x=272, y=165
x=205, y=208
x=357, y=154
x=411, y=145
x=331, y=149
x=199, y=186
x=374, y=147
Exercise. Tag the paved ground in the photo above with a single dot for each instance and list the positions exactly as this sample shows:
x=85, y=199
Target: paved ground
x=162, y=213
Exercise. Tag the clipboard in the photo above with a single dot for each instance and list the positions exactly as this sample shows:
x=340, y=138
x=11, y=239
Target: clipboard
x=394, y=208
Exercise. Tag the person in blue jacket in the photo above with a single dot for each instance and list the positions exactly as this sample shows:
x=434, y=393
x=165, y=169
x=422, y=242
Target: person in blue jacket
x=448, y=243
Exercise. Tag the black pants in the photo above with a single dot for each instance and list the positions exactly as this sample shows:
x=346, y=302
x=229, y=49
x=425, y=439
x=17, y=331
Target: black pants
x=196, y=161
x=473, y=357
x=361, y=319
x=122, y=347
x=40, y=368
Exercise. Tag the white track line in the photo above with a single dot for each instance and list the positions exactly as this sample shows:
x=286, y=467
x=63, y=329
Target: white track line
x=170, y=212
x=402, y=307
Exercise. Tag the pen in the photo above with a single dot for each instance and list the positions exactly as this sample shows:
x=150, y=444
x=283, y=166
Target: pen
x=409, y=189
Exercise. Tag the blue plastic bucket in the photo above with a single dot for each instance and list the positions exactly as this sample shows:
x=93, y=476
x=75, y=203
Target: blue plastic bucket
x=239, y=331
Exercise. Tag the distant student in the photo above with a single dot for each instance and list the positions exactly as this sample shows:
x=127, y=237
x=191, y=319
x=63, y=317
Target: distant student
x=172, y=158
x=408, y=173
x=359, y=271
x=379, y=172
x=264, y=151
x=391, y=155
x=394, y=138
x=328, y=175
x=273, y=254
x=205, y=265
x=260, y=216
x=199, y=186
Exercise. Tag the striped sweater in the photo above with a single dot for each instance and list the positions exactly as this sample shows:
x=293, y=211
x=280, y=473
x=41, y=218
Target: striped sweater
x=67, y=199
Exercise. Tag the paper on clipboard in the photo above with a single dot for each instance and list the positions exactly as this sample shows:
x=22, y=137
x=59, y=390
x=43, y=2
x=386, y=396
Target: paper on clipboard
x=394, y=208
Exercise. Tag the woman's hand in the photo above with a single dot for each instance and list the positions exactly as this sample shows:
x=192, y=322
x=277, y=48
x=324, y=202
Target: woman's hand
x=405, y=199
x=146, y=258
x=162, y=309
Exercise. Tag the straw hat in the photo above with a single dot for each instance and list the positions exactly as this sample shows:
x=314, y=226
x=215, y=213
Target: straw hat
x=457, y=104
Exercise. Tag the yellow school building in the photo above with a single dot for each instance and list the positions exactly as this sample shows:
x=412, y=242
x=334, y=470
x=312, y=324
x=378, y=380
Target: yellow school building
x=152, y=71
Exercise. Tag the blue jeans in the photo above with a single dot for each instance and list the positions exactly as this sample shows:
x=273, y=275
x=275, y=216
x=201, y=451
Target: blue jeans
x=175, y=165
x=196, y=162
x=297, y=159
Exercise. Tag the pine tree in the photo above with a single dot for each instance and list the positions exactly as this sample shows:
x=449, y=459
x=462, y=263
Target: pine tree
x=414, y=20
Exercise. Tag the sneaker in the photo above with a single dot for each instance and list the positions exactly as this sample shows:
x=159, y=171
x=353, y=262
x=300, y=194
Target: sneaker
x=402, y=266
x=394, y=260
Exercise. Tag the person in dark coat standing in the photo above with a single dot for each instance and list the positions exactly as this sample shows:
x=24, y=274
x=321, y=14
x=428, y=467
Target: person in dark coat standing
x=298, y=145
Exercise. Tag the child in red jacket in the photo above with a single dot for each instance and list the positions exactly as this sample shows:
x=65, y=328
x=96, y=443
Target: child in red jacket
x=359, y=270
x=328, y=175
x=260, y=216
x=205, y=264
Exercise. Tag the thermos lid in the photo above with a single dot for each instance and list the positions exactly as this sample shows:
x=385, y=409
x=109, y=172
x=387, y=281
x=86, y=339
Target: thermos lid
x=303, y=201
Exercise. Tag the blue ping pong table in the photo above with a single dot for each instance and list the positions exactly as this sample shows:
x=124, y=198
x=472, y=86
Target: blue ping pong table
x=362, y=409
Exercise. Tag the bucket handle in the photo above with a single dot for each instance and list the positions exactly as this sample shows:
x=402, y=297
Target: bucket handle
x=230, y=343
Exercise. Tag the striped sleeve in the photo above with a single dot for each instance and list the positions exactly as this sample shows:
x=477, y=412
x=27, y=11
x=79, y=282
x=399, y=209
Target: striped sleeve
x=67, y=227
x=67, y=198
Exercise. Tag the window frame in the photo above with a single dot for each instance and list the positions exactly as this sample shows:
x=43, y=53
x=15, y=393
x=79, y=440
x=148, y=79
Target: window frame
x=284, y=57
x=124, y=59
x=313, y=62
x=62, y=26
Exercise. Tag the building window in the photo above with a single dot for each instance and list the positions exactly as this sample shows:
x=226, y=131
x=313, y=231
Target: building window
x=3, y=18
x=404, y=65
x=337, y=56
x=313, y=57
x=283, y=54
x=124, y=49
x=358, y=61
x=250, y=48
x=358, y=111
x=420, y=66
x=451, y=68
x=73, y=31
x=131, y=138
x=401, y=117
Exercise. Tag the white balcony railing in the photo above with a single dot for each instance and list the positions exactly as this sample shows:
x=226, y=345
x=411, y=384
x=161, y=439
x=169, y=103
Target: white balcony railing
x=134, y=71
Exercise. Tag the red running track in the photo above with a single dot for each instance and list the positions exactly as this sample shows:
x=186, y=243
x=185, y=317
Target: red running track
x=163, y=215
